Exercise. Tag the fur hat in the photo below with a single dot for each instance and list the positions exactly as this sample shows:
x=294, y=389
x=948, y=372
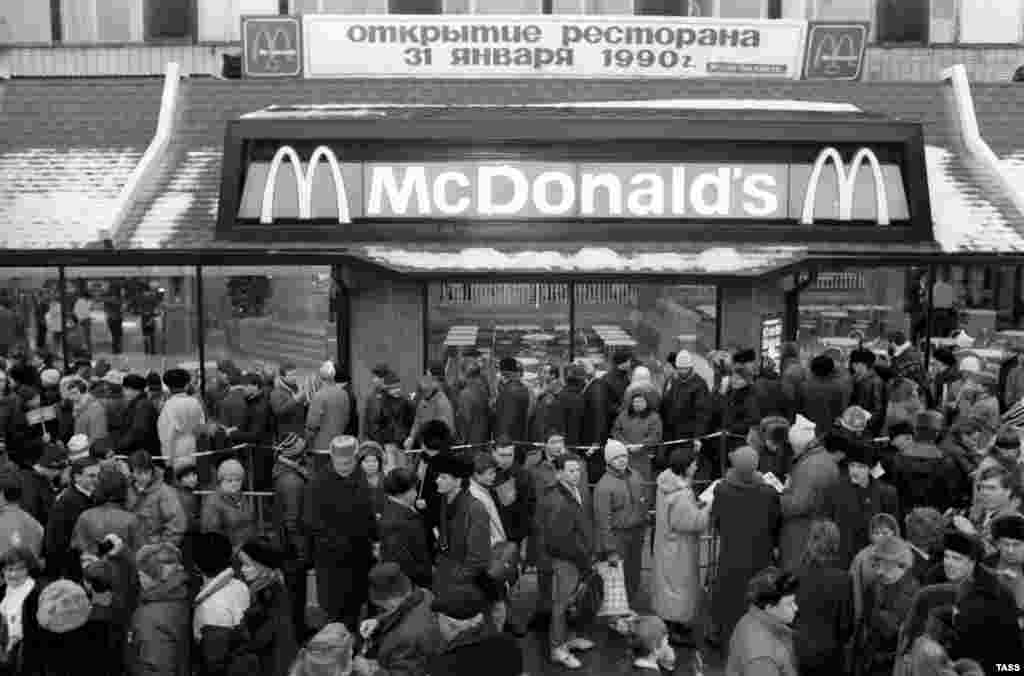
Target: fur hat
x=860, y=453
x=63, y=606
x=684, y=360
x=965, y=544
x=211, y=553
x=344, y=446
x=855, y=419
x=264, y=552
x=135, y=382
x=822, y=366
x=747, y=356
x=387, y=581
x=154, y=382
x=508, y=365
x=621, y=357
x=452, y=465
x=614, y=449
x=291, y=445
x=1009, y=526
x=177, y=379
x=862, y=356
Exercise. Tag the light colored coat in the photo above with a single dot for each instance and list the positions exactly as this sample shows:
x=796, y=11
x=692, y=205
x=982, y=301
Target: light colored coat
x=678, y=527
x=328, y=415
x=484, y=496
x=181, y=416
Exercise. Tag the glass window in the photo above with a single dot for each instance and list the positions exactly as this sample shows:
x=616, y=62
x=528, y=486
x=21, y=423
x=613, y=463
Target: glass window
x=25, y=23
x=107, y=21
x=675, y=7
x=263, y=316
x=29, y=311
x=220, y=20
x=903, y=21
x=139, y=319
x=169, y=19
x=416, y=6
x=487, y=7
x=649, y=319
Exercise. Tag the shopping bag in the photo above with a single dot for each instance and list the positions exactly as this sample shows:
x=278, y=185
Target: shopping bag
x=586, y=599
x=616, y=601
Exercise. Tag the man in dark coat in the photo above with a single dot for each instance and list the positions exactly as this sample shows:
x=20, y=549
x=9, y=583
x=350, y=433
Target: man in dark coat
x=394, y=413
x=571, y=406
x=868, y=390
x=291, y=480
x=464, y=542
x=138, y=420
x=602, y=402
x=61, y=561
x=855, y=500
x=512, y=408
x=924, y=476
x=342, y=526
x=514, y=493
x=371, y=406
x=473, y=418
x=38, y=483
x=545, y=414
x=403, y=539
x=825, y=395
x=747, y=516
x=405, y=635
x=245, y=411
x=685, y=407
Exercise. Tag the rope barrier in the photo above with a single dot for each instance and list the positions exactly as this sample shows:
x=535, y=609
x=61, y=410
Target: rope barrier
x=198, y=454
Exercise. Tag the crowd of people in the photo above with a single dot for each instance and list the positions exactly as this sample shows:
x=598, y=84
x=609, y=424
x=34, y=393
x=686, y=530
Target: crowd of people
x=856, y=514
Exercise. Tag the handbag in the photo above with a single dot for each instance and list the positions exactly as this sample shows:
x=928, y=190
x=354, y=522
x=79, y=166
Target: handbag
x=615, y=601
x=586, y=600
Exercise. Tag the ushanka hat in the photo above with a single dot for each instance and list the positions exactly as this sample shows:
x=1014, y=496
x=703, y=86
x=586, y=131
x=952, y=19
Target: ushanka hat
x=291, y=445
x=452, y=465
x=965, y=544
x=387, y=581
x=63, y=606
x=264, y=552
x=860, y=453
x=1010, y=526
x=177, y=379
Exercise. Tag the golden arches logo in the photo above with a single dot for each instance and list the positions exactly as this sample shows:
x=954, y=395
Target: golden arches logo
x=834, y=52
x=304, y=183
x=846, y=184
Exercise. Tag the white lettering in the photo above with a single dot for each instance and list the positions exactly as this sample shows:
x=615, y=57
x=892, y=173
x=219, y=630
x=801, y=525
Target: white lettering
x=678, y=191
x=721, y=182
x=649, y=200
x=485, y=191
x=541, y=198
x=590, y=184
x=383, y=183
x=760, y=188
x=441, y=193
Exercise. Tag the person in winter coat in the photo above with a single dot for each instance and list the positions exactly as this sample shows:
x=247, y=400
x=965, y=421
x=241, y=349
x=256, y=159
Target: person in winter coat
x=138, y=420
x=566, y=535
x=514, y=494
x=685, y=404
x=638, y=426
x=480, y=484
x=288, y=402
x=473, y=420
x=963, y=445
x=404, y=636
x=854, y=500
x=89, y=412
x=762, y=644
x=339, y=518
x=862, y=570
x=602, y=400
x=220, y=606
x=471, y=645
x=620, y=515
x=371, y=466
x=679, y=523
x=159, y=642
x=329, y=410
x=903, y=403
x=186, y=480
x=571, y=406
x=512, y=406
x=19, y=605
x=181, y=417
x=825, y=622
x=433, y=404
x=464, y=543
x=824, y=395
x=403, y=539
x=437, y=441
x=39, y=482
x=922, y=474
x=160, y=511
x=745, y=511
x=887, y=602
x=814, y=473
x=545, y=414
x=291, y=481
x=268, y=631
x=739, y=411
x=906, y=360
x=868, y=390
x=73, y=501
x=226, y=510
x=109, y=516
x=393, y=417
x=771, y=441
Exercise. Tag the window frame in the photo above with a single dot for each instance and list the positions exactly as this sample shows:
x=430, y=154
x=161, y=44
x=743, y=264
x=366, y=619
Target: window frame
x=716, y=9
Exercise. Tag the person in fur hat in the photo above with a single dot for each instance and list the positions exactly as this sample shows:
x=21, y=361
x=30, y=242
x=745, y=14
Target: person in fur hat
x=1008, y=563
x=639, y=428
x=268, y=626
x=63, y=612
x=887, y=602
x=824, y=395
x=960, y=555
x=159, y=638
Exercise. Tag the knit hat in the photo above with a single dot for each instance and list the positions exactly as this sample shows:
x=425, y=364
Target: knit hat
x=460, y=603
x=508, y=365
x=54, y=456
x=63, y=606
x=158, y=561
x=965, y=544
x=801, y=433
x=291, y=445
x=684, y=360
x=230, y=469
x=883, y=520
x=264, y=552
x=452, y=465
x=184, y=465
x=344, y=446
x=855, y=419
x=49, y=378
x=1009, y=526
x=329, y=653
x=894, y=550
x=387, y=581
x=134, y=381
x=78, y=447
x=614, y=449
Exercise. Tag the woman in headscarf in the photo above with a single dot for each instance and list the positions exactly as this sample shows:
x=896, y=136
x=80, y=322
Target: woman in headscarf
x=226, y=511
x=371, y=462
x=270, y=644
x=639, y=428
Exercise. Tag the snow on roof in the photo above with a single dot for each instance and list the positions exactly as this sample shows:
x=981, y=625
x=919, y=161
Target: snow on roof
x=715, y=260
x=379, y=109
x=1013, y=168
x=964, y=220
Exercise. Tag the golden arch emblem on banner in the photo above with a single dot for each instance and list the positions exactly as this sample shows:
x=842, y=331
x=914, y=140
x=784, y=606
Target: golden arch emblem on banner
x=846, y=184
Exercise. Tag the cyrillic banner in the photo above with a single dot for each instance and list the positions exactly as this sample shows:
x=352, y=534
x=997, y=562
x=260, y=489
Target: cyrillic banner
x=393, y=46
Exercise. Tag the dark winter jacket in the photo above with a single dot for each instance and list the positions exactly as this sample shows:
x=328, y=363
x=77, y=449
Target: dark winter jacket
x=571, y=408
x=464, y=545
x=267, y=634
x=546, y=415
x=392, y=420
x=516, y=500
x=869, y=393
x=289, y=414
x=567, y=527
x=512, y=410
x=824, y=621
x=685, y=407
x=813, y=475
x=13, y=425
x=620, y=504
x=407, y=638
x=925, y=477
x=160, y=512
x=473, y=414
x=291, y=480
x=37, y=494
x=773, y=397
x=823, y=400
x=885, y=607
x=852, y=507
x=138, y=427
x=480, y=650
x=229, y=515
x=740, y=411
x=339, y=519
x=159, y=641
x=61, y=561
x=403, y=540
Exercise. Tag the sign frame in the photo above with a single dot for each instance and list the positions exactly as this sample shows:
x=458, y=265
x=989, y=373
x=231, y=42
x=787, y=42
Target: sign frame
x=248, y=22
x=836, y=31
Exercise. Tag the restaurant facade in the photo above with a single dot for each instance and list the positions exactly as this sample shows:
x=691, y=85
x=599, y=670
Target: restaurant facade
x=417, y=219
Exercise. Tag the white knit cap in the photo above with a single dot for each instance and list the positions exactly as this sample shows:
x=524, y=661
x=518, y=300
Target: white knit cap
x=641, y=374
x=684, y=360
x=78, y=446
x=801, y=434
x=614, y=449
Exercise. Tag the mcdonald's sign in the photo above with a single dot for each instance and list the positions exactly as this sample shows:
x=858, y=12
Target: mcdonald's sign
x=271, y=47
x=835, y=51
x=846, y=184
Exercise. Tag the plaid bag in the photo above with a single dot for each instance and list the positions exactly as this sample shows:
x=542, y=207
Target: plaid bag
x=616, y=601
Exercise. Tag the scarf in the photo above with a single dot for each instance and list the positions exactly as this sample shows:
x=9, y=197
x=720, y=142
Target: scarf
x=11, y=611
x=484, y=496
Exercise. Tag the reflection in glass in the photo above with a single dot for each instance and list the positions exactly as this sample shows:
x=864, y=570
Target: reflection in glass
x=29, y=310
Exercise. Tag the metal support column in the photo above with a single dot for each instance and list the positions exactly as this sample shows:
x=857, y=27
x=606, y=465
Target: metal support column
x=201, y=328
x=62, y=283
x=929, y=324
x=425, y=319
x=572, y=320
x=719, y=305
x=342, y=322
